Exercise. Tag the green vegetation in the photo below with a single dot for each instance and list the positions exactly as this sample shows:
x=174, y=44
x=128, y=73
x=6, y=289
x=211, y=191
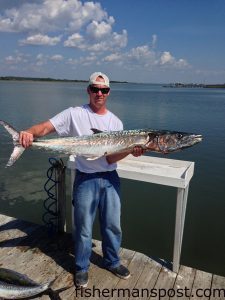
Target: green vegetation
x=16, y=78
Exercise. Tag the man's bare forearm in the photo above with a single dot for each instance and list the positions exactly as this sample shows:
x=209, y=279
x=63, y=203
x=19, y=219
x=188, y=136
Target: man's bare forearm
x=113, y=158
x=36, y=130
x=41, y=129
x=136, y=151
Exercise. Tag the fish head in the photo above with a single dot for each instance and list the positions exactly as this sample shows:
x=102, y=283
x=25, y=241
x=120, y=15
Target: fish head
x=170, y=141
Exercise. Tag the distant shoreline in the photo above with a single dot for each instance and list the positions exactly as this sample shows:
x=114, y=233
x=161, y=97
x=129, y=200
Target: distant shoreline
x=47, y=79
x=170, y=85
x=194, y=85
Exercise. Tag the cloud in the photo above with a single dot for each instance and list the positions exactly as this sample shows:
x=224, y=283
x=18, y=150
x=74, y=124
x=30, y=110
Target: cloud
x=16, y=59
x=57, y=57
x=154, y=40
x=145, y=57
x=141, y=55
x=12, y=60
x=41, y=60
x=210, y=73
x=96, y=30
x=76, y=40
x=182, y=63
x=109, y=42
x=49, y=15
x=82, y=25
x=84, y=61
x=167, y=59
x=21, y=60
x=40, y=40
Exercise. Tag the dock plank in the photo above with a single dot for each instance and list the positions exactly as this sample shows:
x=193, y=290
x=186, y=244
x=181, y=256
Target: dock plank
x=184, y=283
x=164, y=283
x=202, y=281
x=218, y=288
x=147, y=279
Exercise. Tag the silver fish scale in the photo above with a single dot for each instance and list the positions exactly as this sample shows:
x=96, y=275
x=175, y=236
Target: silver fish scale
x=94, y=145
x=11, y=291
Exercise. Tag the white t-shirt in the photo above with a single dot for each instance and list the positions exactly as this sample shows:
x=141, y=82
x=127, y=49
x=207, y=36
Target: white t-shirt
x=78, y=121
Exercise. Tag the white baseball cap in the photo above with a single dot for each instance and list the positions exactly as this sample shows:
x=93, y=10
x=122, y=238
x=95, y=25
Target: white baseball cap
x=95, y=75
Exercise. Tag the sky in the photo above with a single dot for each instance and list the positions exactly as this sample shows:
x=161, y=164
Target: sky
x=149, y=41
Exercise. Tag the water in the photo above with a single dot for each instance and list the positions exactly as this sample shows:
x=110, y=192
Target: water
x=148, y=210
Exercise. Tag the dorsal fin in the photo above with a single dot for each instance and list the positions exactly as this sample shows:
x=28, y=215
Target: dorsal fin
x=96, y=130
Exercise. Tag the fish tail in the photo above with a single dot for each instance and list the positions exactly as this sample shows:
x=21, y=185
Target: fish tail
x=54, y=293
x=50, y=283
x=18, y=148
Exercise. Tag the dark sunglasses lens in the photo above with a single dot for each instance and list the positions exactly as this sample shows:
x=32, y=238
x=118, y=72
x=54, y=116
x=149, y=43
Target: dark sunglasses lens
x=96, y=90
x=104, y=91
x=93, y=89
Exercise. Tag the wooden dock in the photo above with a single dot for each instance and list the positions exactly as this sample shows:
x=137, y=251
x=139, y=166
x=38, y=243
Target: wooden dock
x=27, y=248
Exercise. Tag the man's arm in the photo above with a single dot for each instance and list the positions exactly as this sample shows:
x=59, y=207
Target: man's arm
x=27, y=136
x=113, y=158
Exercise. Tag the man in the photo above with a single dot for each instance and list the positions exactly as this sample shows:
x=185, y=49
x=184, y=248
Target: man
x=97, y=185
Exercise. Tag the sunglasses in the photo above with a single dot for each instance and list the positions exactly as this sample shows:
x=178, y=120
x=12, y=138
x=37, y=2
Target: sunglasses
x=95, y=90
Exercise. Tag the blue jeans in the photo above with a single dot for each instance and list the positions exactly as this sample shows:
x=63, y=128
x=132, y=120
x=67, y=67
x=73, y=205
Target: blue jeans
x=91, y=192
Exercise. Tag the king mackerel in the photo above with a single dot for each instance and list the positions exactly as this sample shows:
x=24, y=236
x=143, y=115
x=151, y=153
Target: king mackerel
x=104, y=143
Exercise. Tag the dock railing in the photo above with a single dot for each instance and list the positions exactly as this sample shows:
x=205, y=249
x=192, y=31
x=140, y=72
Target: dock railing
x=170, y=172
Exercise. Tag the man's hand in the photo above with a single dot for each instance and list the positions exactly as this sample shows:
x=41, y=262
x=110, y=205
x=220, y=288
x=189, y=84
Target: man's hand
x=137, y=151
x=26, y=139
x=27, y=136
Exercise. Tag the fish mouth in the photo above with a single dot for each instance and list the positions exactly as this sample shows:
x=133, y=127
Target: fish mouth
x=198, y=137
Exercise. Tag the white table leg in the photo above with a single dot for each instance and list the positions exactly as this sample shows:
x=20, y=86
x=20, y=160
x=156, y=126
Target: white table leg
x=182, y=195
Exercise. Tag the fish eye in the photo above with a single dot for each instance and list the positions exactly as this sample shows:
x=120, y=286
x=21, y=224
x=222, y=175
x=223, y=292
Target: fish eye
x=179, y=135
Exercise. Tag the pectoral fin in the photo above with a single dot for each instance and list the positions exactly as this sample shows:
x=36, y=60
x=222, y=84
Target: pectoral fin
x=93, y=158
x=96, y=157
